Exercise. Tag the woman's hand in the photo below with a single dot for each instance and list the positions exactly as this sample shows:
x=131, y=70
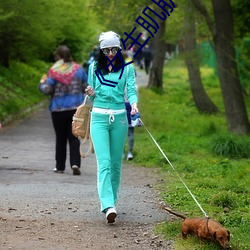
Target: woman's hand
x=134, y=109
x=43, y=79
x=90, y=91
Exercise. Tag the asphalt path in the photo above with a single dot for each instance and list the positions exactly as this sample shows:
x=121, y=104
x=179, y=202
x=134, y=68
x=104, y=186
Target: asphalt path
x=26, y=164
x=31, y=190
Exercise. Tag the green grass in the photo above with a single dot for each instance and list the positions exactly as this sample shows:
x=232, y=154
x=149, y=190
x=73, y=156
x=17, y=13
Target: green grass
x=214, y=164
x=19, y=88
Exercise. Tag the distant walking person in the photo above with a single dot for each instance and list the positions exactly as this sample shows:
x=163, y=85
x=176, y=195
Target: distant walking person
x=93, y=55
x=147, y=54
x=130, y=133
x=128, y=109
x=65, y=84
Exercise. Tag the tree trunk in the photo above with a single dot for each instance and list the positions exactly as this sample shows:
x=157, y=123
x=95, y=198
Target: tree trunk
x=235, y=109
x=159, y=51
x=223, y=37
x=201, y=99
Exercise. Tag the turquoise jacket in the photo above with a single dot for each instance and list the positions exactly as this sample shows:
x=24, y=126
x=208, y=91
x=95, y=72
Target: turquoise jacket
x=108, y=97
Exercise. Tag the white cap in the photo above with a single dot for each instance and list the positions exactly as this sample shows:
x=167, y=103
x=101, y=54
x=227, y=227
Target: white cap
x=109, y=39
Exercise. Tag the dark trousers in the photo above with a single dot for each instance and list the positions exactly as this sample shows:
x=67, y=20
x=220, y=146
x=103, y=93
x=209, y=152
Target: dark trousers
x=131, y=139
x=147, y=65
x=62, y=122
x=130, y=129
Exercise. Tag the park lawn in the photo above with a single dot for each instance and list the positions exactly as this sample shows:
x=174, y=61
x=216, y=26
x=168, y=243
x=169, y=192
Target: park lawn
x=19, y=89
x=190, y=140
x=219, y=182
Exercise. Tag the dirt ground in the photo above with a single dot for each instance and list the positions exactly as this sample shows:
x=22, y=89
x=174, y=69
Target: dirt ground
x=40, y=209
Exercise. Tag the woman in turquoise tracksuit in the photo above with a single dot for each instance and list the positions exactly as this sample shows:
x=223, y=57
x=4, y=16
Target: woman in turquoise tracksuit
x=109, y=123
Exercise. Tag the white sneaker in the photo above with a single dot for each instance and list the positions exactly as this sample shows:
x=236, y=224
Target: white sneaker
x=76, y=170
x=58, y=171
x=130, y=156
x=111, y=214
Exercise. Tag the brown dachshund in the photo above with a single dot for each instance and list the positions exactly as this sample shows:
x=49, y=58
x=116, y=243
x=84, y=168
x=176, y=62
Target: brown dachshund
x=204, y=229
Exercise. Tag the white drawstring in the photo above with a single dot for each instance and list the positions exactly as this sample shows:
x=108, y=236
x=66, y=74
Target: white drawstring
x=111, y=117
x=109, y=112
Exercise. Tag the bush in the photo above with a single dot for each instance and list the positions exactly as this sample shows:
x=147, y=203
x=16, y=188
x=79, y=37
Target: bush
x=223, y=200
x=231, y=146
x=19, y=88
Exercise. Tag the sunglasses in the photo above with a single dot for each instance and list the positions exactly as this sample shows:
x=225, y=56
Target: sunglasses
x=113, y=50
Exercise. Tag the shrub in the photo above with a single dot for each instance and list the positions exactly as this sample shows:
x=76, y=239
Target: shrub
x=223, y=200
x=231, y=146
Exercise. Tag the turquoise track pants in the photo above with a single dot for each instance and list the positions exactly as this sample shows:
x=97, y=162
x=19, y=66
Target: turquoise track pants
x=108, y=136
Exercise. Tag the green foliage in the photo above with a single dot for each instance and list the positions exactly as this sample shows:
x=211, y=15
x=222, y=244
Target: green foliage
x=121, y=14
x=29, y=33
x=241, y=17
x=224, y=200
x=219, y=183
x=243, y=60
x=242, y=37
x=231, y=146
x=19, y=87
x=170, y=230
x=175, y=23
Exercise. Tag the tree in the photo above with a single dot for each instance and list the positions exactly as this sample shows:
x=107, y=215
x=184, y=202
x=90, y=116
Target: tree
x=118, y=15
x=201, y=99
x=28, y=33
x=159, y=50
x=159, y=46
x=241, y=17
x=242, y=32
x=223, y=37
x=121, y=21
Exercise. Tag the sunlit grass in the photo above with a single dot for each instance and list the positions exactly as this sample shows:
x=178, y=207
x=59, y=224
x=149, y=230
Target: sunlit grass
x=19, y=87
x=190, y=140
x=219, y=181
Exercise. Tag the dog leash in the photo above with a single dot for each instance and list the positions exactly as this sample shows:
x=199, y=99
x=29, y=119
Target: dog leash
x=174, y=170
